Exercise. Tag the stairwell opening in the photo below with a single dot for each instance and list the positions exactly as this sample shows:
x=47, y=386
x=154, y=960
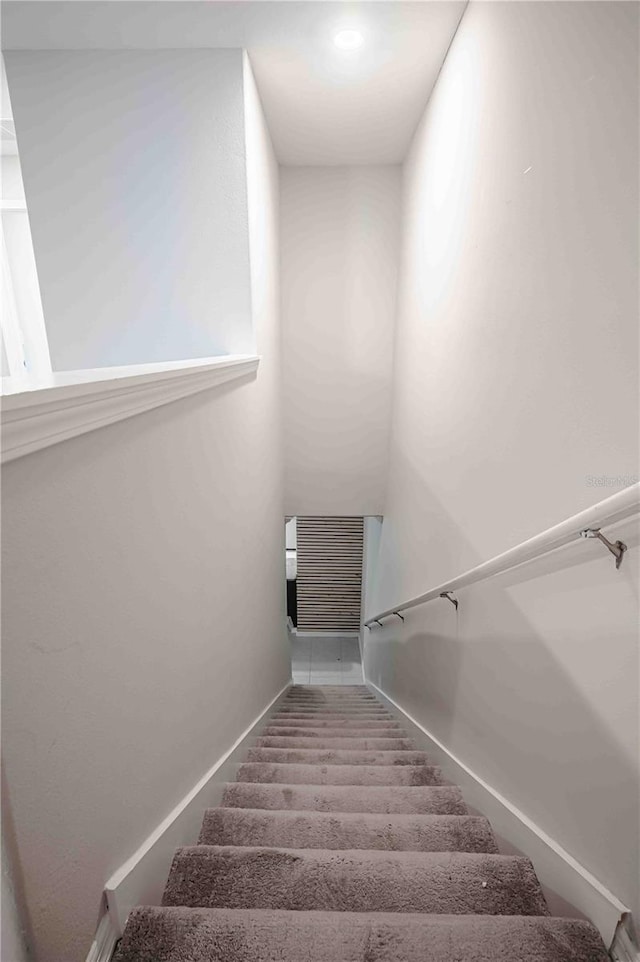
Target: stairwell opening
x=324, y=572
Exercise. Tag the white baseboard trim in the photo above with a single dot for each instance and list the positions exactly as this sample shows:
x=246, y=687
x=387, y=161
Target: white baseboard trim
x=624, y=948
x=570, y=889
x=105, y=940
x=141, y=879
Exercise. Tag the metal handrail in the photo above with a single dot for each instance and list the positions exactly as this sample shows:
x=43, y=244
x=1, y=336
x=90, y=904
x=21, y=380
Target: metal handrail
x=585, y=524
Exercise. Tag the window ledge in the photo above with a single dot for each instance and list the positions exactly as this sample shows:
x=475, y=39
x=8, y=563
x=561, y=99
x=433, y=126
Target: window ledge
x=42, y=412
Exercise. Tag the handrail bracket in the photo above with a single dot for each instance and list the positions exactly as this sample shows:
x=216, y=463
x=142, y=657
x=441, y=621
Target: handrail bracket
x=449, y=596
x=617, y=549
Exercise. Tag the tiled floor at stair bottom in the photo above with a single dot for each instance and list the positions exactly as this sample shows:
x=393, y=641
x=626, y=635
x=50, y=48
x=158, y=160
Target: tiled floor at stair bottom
x=330, y=660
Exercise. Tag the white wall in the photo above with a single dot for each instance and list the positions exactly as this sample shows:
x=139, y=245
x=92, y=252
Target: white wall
x=516, y=383
x=131, y=658
x=340, y=238
x=13, y=938
x=134, y=169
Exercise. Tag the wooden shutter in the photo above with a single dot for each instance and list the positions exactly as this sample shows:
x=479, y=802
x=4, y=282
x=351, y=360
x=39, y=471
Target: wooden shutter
x=329, y=573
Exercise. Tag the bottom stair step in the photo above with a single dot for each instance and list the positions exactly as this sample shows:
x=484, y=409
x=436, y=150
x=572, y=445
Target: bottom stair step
x=407, y=800
x=223, y=935
x=449, y=883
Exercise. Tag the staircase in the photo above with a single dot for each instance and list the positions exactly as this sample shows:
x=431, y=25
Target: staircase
x=339, y=842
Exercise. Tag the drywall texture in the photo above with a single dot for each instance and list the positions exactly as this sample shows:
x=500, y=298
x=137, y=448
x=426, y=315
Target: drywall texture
x=13, y=938
x=139, y=215
x=340, y=240
x=517, y=385
x=131, y=658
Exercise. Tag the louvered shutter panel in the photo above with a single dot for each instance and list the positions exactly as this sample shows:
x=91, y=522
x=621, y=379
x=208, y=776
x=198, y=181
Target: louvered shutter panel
x=329, y=577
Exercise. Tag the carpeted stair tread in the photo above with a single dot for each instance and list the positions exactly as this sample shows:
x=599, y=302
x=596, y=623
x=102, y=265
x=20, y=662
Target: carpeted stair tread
x=335, y=756
x=342, y=830
x=328, y=703
x=329, y=691
x=367, y=702
x=354, y=881
x=322, y=688
x=371, y=707
x=333, y=695
x=311, y=691
x=326, y=689
x=407, y=800
x=292, y=731
x=245, y=935
x=340, y=842
x=339, y=724
x=331, y=705
x=364, y=744
x=377, y=712
x=302, y=774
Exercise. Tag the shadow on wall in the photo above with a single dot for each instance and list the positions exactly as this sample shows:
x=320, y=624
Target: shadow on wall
x=533, y=684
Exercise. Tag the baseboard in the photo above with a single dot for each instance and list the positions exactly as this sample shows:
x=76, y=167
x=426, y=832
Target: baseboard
x=624, y=947
x=141, y=879
x=105, y=939
x=569, y=888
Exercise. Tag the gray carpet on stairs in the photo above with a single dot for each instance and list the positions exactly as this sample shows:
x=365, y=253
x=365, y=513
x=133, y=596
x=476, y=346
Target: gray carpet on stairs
x=232, y=935
x=405, y=800
x=340, y=774
x=319, y=731
x=339, y=841
x=342, y=742
x=344, y=711
x=353, y=881
x=337, y=756
x=333, y=724
x=341, y=830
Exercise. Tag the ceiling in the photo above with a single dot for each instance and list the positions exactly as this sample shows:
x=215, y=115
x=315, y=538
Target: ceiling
x=324, y=106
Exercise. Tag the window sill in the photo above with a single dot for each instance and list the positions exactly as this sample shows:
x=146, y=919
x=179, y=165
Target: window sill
x=42, y=412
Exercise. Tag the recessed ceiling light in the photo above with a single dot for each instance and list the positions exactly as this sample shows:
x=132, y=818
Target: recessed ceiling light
x=348, y=39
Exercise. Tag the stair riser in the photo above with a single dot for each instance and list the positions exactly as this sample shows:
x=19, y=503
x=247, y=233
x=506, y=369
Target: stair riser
x=314, y=830
x=354, y=881
x=411, y=775
x=352, y=798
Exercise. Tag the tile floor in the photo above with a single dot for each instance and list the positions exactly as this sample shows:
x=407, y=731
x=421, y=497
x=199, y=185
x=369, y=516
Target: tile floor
x=326, y=660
